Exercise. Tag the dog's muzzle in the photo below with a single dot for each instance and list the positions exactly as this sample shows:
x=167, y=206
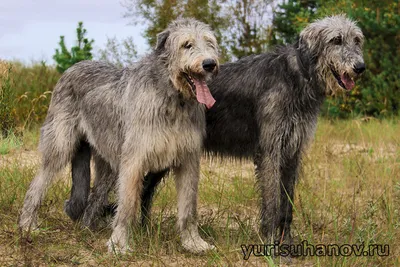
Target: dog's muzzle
x=345, y=80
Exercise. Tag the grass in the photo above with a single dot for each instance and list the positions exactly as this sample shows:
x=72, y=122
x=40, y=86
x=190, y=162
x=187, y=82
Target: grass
x=349, y=193
x=9, y=143
x=25, y=92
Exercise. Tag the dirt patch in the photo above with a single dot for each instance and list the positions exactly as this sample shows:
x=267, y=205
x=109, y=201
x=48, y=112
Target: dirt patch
x=27, y=158
x=376, y=152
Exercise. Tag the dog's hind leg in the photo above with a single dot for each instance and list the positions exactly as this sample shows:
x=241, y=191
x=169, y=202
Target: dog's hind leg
x=80, y=167
x=57, y=144
x=150, y=183
x=98, y=199
x=186, y=180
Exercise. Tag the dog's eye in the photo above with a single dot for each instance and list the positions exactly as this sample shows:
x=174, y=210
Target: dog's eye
x=187, y=45
x=210, y=44
x=337, y=40
x=357, y=41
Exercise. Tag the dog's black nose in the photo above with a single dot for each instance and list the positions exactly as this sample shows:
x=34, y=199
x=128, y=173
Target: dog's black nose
x=209, y=64
x=359, y=68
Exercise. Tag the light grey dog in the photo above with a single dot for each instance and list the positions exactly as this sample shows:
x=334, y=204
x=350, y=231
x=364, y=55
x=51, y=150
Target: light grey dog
x=267, y=109
x=135, y=120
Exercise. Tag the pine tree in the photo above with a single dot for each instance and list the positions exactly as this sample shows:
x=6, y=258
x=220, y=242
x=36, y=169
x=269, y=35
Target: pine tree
x=82, y=50
x=290, y=18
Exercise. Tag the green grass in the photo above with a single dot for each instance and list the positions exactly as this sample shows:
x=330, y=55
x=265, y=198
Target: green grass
x=348, y=193
x=10, y=143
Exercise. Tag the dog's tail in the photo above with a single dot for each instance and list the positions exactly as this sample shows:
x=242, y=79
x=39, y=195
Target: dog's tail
x=80, y=165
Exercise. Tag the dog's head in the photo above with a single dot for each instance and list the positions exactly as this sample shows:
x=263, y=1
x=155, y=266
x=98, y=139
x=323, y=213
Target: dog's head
x=335, y=43
x=190, y=51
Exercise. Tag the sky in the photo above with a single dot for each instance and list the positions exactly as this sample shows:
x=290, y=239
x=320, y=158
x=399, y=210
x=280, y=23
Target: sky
x=30, y=29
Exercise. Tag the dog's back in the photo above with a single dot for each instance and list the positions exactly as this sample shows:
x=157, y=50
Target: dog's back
x=252, y=92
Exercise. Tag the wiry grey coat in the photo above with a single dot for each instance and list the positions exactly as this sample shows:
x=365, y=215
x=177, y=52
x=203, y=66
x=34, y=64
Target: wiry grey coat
x=267, y=109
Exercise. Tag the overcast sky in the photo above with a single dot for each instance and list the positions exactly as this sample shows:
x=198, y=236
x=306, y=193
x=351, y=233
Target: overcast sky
x=31, y=29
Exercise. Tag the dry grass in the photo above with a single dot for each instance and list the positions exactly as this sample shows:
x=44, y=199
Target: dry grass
x=4, y=66
x=28, y=89
x=349, y=193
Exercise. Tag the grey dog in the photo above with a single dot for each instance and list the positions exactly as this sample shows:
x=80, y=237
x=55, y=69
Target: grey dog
x=267, y=109
x=144, y=118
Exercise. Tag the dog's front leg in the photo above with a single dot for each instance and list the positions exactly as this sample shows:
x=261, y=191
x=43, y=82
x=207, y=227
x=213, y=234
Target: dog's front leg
x=289, y=174
x=268, y=179
x=186, y=180
x=129, y=184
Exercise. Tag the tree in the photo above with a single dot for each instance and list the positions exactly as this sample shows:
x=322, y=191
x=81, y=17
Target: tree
x=250, y=27
x=239, y=25
x=157, y=14
x=81, y=51
x=290, y=18
x=120, y=53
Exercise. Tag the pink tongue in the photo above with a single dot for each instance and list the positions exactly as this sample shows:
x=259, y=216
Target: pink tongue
x=348, y=82
x=203, y=94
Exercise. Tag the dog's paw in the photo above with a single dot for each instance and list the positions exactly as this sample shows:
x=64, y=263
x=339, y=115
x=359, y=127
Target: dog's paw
x=27, y=224
x=74, y=209
x=192, y=242
x=118, y=242
x=116, y=248
x=196, y=245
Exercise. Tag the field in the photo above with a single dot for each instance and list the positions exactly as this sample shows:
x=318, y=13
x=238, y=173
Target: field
x=349, y=193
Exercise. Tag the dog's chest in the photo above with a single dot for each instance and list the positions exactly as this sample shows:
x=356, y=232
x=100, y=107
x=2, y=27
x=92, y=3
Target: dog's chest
x=174, y=137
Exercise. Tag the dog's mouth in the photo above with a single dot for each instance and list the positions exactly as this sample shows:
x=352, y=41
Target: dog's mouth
x=344, y=80
x=190, y=81
x=200, y=89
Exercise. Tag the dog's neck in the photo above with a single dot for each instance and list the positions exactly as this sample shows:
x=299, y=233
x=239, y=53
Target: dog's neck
x=304, y=59
x=307, y=62
x=302, y=64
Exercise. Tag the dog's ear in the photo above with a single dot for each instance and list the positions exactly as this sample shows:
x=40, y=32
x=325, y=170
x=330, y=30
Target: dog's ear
x=161, y=39
x=311, y=42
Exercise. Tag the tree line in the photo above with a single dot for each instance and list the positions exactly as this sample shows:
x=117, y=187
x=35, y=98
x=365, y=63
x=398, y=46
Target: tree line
x=245, y=27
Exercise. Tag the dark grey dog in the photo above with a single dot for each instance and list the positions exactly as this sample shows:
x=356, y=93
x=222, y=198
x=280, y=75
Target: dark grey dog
x=134, y=120
x=267, y=109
